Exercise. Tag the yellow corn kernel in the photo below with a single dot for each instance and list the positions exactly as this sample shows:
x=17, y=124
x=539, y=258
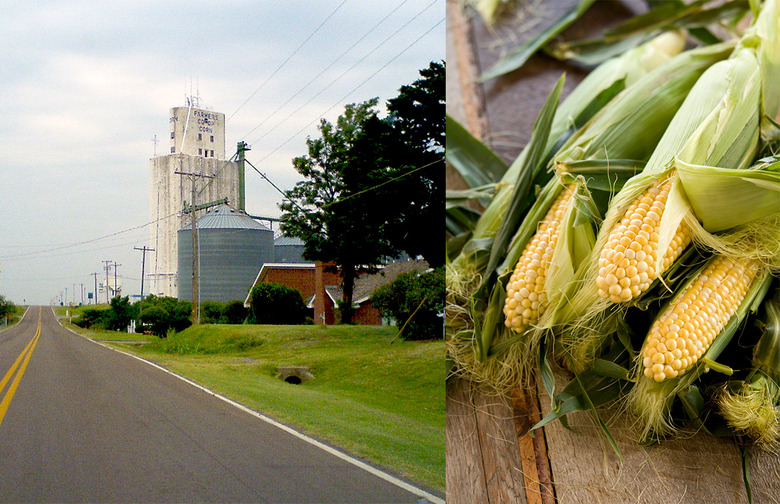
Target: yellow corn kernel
x=632, y=248
x=525, y=296
x=685, y=330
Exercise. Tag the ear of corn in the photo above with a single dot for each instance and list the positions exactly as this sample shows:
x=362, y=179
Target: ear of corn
x=651, y=401
x=716, y=125
x=698, y=313
x=643, y=111
x=630, y=260
x=766, y=29
x=526, y=298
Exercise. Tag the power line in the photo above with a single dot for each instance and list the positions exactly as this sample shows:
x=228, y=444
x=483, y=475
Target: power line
x=85, y=242
x=339, y=57
x=348, y=70
x=410, y=172
x=339, y=102
x=286, y=60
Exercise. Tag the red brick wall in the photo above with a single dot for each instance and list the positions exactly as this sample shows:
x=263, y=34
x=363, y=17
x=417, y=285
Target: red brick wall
x=300, y=279
x=366, y=314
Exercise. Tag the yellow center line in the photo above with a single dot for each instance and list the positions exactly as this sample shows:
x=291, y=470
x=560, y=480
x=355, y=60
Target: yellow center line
x=23, y=358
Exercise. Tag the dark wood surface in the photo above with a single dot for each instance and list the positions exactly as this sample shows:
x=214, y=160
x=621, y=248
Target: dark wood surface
x=491, y=458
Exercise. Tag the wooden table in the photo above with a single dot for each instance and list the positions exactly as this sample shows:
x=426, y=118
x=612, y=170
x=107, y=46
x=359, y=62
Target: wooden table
x=491, y=459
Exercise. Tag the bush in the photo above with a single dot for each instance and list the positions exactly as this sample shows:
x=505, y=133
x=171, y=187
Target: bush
x=212, y=312
x=276, y=304
x=92, y=317
x=401, y=299
x=157, y=319
x=7, y=308
x=120, y=314
x=235, y=312
x=215, y=312
x=178, y=311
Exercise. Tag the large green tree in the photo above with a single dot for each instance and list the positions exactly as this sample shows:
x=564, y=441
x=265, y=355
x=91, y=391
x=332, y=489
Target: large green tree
x=418, y=118
x=335, y=226
x=373, y=187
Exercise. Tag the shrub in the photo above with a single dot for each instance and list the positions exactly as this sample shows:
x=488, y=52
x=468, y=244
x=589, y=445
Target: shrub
x=178, y=311
x=92, y=317
x=401, y=299
x=120, y=314
x=212, y=312
x=7, y=308
x=157, y=319
x=276, y=304
x=235, y=312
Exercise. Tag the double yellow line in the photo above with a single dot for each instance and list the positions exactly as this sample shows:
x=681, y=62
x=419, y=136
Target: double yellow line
x=23, y=359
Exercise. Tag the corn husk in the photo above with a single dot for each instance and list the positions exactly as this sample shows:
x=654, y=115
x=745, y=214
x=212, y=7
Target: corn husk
x=718, y=124
x=651, y=402
x=609, y=134
x=751, y=407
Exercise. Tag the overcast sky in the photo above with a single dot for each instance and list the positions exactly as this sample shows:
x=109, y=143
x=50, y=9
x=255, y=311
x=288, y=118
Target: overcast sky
x=87, y=85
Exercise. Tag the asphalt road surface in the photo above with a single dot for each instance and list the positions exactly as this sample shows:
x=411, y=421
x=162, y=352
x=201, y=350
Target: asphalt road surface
x=82, y=423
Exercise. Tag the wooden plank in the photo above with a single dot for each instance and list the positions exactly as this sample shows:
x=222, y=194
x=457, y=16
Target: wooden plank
x=764, y=476
x=500, y=451
x=483, y=457
x=471, y=100
x=533, y=448
x=691, y=468
x=465, y=472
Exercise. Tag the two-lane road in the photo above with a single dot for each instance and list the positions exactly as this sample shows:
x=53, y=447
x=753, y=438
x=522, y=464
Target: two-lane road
x=82, y=423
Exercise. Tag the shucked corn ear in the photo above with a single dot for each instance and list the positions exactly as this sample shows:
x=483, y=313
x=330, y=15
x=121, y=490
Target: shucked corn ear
x=690, y=323
x=526, y=299
x=627, y=265
x=717, y=124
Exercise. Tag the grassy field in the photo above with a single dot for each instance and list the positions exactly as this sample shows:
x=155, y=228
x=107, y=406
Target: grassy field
x=380, y=401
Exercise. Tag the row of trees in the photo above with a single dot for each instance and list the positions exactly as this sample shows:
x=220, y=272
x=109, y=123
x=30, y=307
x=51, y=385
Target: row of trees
x=414, y=301
x=373, y=187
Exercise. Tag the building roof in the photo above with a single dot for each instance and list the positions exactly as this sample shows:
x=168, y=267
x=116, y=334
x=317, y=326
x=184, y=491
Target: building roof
x=366, y=284
x=226, y=217
x=287, y=240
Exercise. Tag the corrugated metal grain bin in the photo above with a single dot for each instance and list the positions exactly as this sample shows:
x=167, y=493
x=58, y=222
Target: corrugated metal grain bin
x=289, y=249
x=233, y=248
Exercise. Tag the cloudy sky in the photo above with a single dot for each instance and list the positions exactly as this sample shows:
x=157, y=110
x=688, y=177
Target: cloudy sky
x=87, y=85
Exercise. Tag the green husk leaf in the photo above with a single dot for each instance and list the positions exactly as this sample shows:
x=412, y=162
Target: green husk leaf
x=492, y=316
x=548, y=377
x=715, y=193
x=601, y=423
x=456, y=243
x=610, y=369
x=743, y=454
x=477, y=164
x=535, y=149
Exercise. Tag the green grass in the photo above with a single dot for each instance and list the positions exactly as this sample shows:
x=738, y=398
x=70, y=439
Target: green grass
x=380, y=401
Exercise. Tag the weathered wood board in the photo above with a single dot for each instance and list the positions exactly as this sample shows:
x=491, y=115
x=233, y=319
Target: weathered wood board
x=490, y=458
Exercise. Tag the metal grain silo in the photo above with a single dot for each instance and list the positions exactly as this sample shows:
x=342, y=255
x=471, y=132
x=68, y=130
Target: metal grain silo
x=233, y=247
x=289, y=249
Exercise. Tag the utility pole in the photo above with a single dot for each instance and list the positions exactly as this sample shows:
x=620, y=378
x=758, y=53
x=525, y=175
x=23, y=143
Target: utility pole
x=96, y=291
x=241, y=157
x=144, y=250
x=82, y=294
x=108, y=268
x=116, y=289
x=195, y=272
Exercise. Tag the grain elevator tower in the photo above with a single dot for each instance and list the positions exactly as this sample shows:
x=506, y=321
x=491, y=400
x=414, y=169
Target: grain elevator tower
x=197, y=146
